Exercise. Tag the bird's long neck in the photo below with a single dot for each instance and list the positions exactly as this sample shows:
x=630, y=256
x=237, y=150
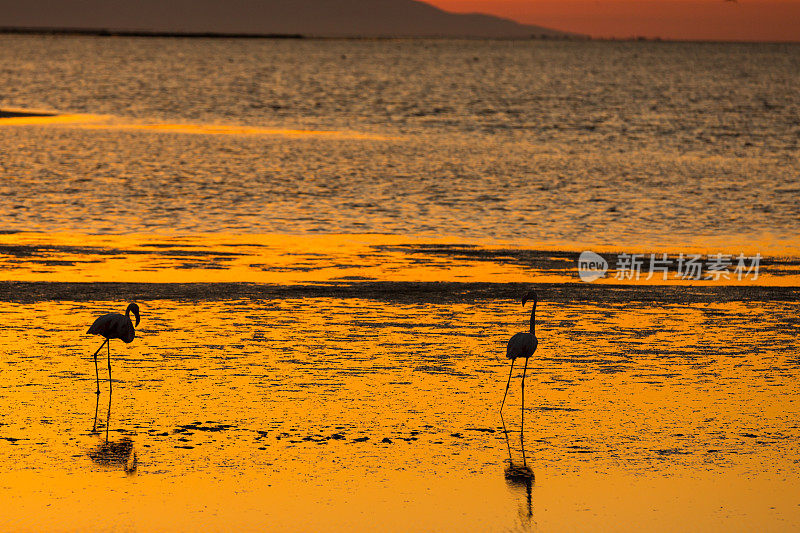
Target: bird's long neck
x=132, y=309
x=533, y=319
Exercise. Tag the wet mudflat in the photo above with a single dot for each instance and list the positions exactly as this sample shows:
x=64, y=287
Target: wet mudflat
x=328, y=273
x=322, y=412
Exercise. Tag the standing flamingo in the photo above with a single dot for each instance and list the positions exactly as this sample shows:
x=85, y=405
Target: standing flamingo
x=522, y=345
x=113, y=326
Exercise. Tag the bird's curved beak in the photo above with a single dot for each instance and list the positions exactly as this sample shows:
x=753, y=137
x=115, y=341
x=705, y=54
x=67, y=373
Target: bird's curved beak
x=529, y=296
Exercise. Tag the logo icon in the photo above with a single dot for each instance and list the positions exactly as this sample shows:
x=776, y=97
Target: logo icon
x=591, y=266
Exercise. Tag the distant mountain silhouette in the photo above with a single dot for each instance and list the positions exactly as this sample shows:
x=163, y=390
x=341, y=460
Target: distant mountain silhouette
x=323, y=18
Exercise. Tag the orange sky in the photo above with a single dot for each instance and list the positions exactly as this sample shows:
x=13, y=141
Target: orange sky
x=746, y=20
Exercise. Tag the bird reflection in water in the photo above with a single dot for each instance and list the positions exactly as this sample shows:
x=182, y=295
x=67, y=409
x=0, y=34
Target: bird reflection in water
x=112, y=453
x=519, y=476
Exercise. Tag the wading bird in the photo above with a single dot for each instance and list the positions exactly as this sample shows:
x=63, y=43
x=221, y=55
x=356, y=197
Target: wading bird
x=113, y=326
x=522, y=345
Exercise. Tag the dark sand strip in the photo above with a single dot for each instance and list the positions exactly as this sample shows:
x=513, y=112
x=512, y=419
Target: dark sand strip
x=555, y=260
x=105, y=32
x=400, y=292
x=17, y=114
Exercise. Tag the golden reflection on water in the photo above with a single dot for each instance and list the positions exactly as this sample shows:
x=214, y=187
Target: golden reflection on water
x=362, y=409
x=647, y=410
x=296, y=259
x=221, y=129
x=106, y=122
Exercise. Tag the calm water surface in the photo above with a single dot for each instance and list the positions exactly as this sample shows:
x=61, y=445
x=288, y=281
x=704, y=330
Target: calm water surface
x=530, y=141
x=289, y=374
x=255, y=411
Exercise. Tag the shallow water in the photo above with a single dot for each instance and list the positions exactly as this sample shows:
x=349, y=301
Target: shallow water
x=328, y=241
x=260, y=407
x=590, y=143
x=314, y=260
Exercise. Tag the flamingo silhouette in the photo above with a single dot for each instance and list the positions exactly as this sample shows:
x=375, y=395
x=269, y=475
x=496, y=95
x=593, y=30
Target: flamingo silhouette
x=113, y=326
x=522, y=344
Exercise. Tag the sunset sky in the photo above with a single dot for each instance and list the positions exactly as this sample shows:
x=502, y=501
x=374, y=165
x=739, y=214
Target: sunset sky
x=747, y=20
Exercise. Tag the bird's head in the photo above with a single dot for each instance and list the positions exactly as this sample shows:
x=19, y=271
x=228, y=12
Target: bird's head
x=133, y=308
x=531, y=295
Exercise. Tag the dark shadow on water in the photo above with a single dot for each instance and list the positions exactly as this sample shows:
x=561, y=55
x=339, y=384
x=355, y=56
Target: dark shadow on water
x=17, y=114
x=112, y=453
x=116, y=454
x=411, y=292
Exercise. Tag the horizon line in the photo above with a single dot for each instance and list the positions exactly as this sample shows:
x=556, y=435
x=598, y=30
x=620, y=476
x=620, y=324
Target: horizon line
x=108, y=32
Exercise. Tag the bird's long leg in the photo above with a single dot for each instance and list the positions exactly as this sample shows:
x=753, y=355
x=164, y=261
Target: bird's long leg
x=97, y=376
x=96, y=372
x=508, y=444
x=100, y=348
x=522, y=424
x=96, y=408
x=507, y=384
x=108, y=416
x=109, y=371
x=522, y=445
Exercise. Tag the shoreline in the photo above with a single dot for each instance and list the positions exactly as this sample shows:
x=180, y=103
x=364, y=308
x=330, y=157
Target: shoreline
x=24, y=292
x=107, y=32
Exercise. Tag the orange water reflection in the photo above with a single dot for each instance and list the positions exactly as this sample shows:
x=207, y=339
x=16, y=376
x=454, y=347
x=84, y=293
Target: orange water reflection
x=296, y=259
x=260, y=408
x=106, y=122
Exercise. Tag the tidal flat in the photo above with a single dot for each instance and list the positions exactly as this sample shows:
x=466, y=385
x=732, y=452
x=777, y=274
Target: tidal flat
x=361, y=403
x=329, y=241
